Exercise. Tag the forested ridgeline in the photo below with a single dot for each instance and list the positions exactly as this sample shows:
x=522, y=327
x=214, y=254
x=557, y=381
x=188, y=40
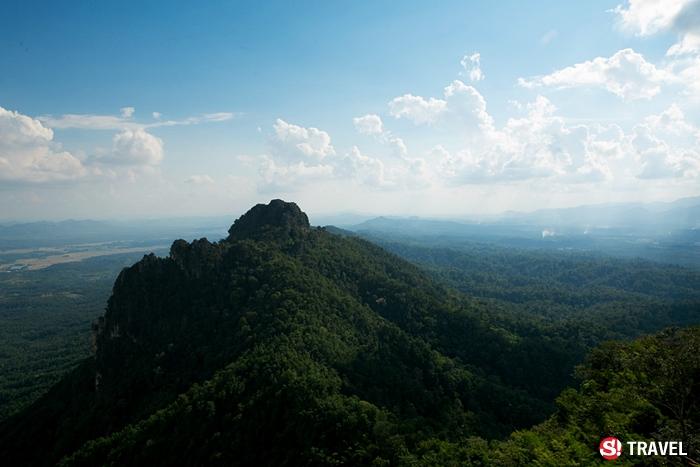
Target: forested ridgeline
x=586, y=298
x=288, y=345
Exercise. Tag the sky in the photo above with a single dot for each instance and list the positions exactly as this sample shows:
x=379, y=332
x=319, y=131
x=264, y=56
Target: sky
x=159, y=109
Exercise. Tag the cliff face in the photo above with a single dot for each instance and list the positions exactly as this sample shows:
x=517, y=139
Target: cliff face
x=281, y=344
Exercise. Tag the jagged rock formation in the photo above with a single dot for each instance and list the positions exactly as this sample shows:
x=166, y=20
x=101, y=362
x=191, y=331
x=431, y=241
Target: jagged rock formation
x=277, y=219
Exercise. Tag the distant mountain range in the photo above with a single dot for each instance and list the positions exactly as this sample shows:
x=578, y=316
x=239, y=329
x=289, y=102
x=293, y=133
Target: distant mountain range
x=588, y=227
x=666, y=232
x=46, y=233
x=681, y=214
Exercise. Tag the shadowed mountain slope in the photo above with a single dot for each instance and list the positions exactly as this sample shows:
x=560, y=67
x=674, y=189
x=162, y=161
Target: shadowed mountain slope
x=286, y=345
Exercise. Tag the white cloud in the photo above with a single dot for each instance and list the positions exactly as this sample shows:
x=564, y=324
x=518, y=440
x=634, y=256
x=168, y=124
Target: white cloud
x=413, y=174
x=126, y=112
x=688, y=44
x=369, y=124
x=157, y=115
x=124, y=121
x=540, y=144
x=537, y=145
x=196, y=120
x=472, y=66
x=364, y=169
x=372, y=172
x=299, y=156
x=666, y=145
x=213, y=117
x=460, y=100
x=372, y=124
x=134, y=148
x=687, y=71
x=86, y=122
x=417, y=109
x=202, y=179
x=298, y=143
x=467, y=103
x=626, y=74
x=275, y=176
x=645, y=17
x=28, y=153
x=397, y=144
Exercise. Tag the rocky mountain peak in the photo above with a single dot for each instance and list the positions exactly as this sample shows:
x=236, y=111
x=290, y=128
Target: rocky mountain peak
x=276, y=216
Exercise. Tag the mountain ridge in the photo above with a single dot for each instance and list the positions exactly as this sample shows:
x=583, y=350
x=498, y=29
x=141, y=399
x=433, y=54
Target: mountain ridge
x=344, y=303
x=285, y=344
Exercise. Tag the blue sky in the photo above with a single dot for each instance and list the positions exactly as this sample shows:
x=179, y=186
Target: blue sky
x=155, y=109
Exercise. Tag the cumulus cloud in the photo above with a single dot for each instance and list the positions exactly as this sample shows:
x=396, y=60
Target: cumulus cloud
x=540, y=144
x=688, y=44
x=647, y=17
x=290, y=177
x=417, y=109
x=202, y=179
x=364, y=169
x=295, y=142
x=666, y=145
x=687, y=71
x=537, y=145
x=626, y=74
x=472, y=66
x=372, y=125
x=301, y=155
x=298, y=156
x=369, y=124
x=28, y=153
x=397, y=144
x=459, y=100
x=373, y=172
x=467, y=103
x=134, y=148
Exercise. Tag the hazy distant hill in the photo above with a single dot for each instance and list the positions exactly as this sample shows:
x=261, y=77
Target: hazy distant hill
x=665, y=232
x=43, y=234
x=656, y=217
